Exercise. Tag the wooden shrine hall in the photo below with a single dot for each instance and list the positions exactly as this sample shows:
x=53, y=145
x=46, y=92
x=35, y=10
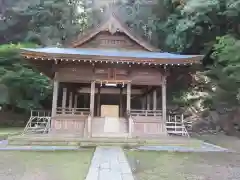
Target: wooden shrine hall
x=105, y=83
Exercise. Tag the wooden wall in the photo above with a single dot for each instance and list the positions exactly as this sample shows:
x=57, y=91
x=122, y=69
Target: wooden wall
x=106, y=40
x=84, y=73
x=71, y=124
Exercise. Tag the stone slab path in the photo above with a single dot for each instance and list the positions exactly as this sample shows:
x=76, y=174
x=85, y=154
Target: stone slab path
x=109, y=163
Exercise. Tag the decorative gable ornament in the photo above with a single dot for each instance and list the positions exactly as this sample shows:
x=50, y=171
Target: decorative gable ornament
x=113, y=26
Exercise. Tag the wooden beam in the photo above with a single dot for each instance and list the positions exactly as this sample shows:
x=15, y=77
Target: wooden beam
x=110, y=91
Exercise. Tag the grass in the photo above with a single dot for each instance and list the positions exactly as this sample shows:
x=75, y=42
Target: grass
x=151, y=165
x=5, y=132
x=155, y=165
x=64, y=165
x=229, y=142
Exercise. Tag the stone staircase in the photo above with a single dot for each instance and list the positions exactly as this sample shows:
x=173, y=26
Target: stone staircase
x=109, y=127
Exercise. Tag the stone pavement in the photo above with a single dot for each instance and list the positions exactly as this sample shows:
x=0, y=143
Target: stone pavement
x=205, y=147
x=109, y=163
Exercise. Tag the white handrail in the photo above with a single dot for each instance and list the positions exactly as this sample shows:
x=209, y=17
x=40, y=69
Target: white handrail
x=39, y=122
x=176, y=125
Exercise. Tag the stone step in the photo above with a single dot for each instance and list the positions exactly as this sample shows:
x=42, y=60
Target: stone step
x=109, y=135
x=98, y=127
x=121, y=141
x=123, y=144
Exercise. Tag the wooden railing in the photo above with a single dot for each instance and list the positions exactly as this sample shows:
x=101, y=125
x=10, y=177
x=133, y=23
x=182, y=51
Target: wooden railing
x=73, y=111
x=175, y=123
x=137, y=112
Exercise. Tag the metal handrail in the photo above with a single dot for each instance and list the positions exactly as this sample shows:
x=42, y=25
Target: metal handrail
x=176, y=124
x=39, y=122
x=40, y=113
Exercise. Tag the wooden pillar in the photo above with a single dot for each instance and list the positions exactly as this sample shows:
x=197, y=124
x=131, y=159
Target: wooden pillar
x=164, y=98
x=64, y=100
x=99, y=102
x=148, y=102
x=70, y=101
x=143, y=103
x=121, y=103
x=55, y=95
x=92, y=95
x=155, y=100
x=85, y=100
x=75, y=101
x=128, y=97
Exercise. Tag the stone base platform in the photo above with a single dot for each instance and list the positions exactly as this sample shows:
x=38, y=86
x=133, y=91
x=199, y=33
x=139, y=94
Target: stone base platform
x=74, y=140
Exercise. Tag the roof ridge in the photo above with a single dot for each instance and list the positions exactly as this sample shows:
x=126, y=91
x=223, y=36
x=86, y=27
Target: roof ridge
x=82, y=38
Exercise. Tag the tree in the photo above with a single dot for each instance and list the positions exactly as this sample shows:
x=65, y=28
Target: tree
x=42, y=22
x=45, y=22
x=26, y=88
x=225, y=74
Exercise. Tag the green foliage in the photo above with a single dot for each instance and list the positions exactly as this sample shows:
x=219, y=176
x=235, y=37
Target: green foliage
x=225, y=74
x=184, y=26
x=25, y=87
x=45, y=22
x=55, y=21
x=42, y=22
x=210, y=27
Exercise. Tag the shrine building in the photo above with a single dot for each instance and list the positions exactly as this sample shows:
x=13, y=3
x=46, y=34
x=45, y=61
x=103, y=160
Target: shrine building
x=108, y=83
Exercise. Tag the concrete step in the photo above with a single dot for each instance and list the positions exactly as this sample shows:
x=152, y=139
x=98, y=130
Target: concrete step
x=48, y=140
x=109, y=135
x=98, y=125
x=122, y=144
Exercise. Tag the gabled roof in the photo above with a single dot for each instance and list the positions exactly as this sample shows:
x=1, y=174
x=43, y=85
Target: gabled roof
x=113, y=25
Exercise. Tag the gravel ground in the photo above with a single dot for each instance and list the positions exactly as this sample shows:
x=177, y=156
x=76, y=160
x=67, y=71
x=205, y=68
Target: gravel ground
x=184, y=166
x=72, y=165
